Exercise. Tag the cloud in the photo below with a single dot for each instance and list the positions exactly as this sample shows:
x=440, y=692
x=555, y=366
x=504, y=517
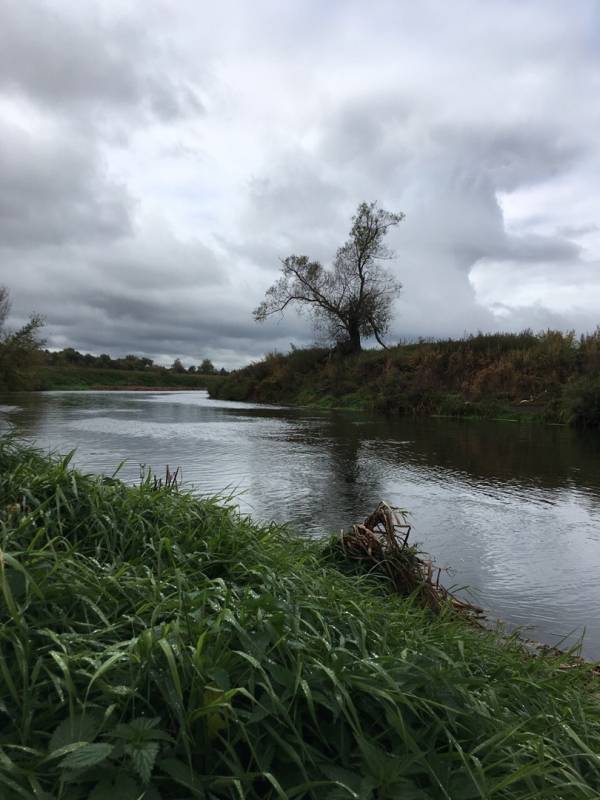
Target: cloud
x=156, y=162
x=53, y=189
x=70, y=57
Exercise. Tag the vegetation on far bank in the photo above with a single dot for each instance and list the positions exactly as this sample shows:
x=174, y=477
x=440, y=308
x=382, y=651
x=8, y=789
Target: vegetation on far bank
x=25, y=365
x=45, y=378
x=69, y=369
x=19, y=349
x=71, y=358
x=553, y=376
x=153, y=645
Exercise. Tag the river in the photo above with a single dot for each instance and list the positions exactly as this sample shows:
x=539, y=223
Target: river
x=513, y=510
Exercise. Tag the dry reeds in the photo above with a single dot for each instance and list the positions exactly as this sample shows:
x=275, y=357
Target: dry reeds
x=381, y=543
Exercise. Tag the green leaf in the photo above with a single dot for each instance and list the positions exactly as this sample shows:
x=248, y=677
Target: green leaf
x=170, y=656
x=104, y=668
x=78, y=728
x=143, y=757
x=144, y=723
x=221, y=677
x=141, y=728
x=86, y=756
x=275, y=784
x=347, y=779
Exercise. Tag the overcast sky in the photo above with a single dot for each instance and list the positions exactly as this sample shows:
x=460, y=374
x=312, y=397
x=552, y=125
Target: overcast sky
x=158, y=158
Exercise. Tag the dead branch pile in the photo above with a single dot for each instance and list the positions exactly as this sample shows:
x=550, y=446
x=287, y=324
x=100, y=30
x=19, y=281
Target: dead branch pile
x=381, y=544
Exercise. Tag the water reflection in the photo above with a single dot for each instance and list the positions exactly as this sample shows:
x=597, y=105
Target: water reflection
x=515, y=510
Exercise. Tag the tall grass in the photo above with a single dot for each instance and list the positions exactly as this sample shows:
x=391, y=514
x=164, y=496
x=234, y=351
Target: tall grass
x=550, y=375
x=156, y=645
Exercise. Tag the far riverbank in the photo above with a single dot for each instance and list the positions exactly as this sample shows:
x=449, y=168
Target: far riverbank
x=550, y=377
x=74, y=378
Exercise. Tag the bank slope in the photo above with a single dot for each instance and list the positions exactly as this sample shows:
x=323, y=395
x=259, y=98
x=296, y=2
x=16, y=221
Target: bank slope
x=550, y=376
x=157, y=645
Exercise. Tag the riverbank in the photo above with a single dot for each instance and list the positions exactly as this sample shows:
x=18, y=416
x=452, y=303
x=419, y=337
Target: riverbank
x=91, y=378
x=161, y=644
x=550, y=377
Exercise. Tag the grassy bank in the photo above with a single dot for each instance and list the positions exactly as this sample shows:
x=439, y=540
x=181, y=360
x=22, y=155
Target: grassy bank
x=73, y=377
x=155, y=645
x=552, y=376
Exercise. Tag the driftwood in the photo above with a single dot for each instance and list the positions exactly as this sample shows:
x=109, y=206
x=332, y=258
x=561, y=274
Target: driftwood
x=381, y=542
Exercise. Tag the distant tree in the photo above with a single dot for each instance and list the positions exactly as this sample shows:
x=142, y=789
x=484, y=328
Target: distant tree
x=130, y=362
x=192, y=369
x=19, y=349
x=133, y=362
x=177, y=366
x=104, y=360
x=351, y=299
x=207, y=367
x=72, y=356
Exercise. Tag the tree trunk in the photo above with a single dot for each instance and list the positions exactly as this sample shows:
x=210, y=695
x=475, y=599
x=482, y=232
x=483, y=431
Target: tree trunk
x=353, y=345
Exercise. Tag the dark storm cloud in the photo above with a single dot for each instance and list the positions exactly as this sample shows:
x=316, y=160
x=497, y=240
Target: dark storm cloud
x=514, y=156
x=166, y=325
x=53, y=190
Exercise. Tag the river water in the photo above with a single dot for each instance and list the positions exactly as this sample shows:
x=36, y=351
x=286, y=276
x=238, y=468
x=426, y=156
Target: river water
x=513, y=510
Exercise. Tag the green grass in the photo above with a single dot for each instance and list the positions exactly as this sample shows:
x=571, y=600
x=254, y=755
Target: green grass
x=156, y=645
x=47, y=378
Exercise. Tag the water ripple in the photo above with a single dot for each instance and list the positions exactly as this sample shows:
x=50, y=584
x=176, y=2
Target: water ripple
x=514, y=511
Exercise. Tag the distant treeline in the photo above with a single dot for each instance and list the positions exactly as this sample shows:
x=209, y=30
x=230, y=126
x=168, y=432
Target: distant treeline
x=72, y=357
x=25, y=365
x=552, y=375
x=70, y=369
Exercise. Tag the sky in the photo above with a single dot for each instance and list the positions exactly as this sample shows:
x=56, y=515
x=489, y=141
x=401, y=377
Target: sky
x=158, y=159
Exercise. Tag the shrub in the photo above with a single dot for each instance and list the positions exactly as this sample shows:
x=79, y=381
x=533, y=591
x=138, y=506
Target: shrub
x=584, y=402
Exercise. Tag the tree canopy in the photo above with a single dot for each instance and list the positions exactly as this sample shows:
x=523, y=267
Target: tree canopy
x=207, y=367
x=351, y=299
x=18, y=349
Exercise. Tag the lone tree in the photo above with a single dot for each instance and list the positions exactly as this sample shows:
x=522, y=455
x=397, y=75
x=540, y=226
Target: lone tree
x=351, y=299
